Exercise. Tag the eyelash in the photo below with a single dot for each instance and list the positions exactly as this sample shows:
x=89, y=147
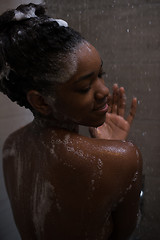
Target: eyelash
x=85, y=90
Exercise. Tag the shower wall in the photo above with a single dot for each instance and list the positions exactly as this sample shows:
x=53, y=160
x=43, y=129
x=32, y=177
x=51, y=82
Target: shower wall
x=127, y=35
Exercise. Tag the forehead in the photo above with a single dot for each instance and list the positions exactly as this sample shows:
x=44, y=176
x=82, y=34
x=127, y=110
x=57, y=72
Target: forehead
x=87, y=57
x=88, y=60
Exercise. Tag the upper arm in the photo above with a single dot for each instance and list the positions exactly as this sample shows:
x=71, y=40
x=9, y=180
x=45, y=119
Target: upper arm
x=126, y=212
x=121, y=167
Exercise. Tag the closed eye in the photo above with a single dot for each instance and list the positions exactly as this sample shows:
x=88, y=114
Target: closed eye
x=84, y=90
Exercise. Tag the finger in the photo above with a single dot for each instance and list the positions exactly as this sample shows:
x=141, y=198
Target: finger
x=132, y=111
x=115, y=98
x=122, y=102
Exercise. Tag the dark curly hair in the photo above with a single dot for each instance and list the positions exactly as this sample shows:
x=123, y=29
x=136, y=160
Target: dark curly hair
x=34, y=52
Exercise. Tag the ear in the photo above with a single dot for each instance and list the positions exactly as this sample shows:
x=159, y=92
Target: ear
x=37, y=101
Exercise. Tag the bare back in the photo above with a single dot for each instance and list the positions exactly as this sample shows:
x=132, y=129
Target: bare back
x=65, y=186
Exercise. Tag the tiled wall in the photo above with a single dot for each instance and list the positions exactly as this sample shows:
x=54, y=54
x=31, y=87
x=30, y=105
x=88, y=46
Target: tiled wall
x=11, y=118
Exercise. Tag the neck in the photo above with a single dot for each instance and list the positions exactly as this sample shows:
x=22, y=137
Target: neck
x=43, y=122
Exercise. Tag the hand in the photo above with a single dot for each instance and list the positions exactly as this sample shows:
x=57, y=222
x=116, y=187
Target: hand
x=115, y=126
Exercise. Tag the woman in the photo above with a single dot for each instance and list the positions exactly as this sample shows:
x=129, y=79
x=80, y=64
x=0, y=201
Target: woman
x=62, y=185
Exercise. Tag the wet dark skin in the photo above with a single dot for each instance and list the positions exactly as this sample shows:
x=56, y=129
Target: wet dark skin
x=65, y=186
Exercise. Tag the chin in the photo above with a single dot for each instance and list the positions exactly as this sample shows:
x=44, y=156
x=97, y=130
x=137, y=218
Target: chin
x=98, y=125
x=100, y=122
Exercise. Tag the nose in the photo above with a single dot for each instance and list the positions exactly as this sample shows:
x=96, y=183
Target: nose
x=101, y=91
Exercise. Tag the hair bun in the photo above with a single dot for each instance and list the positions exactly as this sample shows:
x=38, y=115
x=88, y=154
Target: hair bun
x=21, y=13
x=24, y=12
x=28, y=11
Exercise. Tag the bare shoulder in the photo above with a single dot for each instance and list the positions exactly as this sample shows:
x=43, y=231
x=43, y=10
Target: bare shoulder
x=13, y=145
x=121, y=161
x=115, y=153
x=117, y=163
x=15, y=137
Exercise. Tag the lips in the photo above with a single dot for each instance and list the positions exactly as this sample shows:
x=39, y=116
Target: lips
x=102, y=108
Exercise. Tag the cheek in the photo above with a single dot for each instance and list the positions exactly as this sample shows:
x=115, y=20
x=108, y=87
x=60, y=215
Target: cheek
x=77, y=105
x=82, y=102
x=72, y=104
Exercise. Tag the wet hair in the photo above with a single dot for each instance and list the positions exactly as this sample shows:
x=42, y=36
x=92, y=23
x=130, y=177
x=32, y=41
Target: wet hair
x=36, y=51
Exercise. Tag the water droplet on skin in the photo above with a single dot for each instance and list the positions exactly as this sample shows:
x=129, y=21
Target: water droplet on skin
x=66, y=140
x=100, y=164
x=81, y=153
x=135, y=177
x=137, y=154
x=52, y=151
x=70, y=149
x=128, y=188
x=114, y=150
x=58, y=141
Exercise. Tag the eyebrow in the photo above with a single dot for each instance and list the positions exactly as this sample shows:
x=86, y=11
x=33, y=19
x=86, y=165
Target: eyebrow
x=85, y=77
x=88, y=75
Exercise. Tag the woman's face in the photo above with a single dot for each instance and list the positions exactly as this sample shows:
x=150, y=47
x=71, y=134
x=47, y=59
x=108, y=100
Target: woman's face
x=83, y=98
